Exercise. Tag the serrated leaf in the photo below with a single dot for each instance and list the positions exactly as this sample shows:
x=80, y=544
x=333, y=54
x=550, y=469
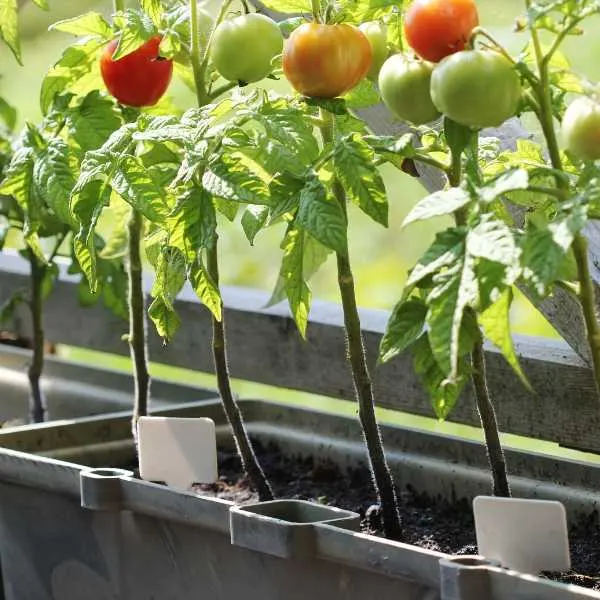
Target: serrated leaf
x=206, y=289
x=444, y=202
x=495, y=322
x=360, y=11
x=74, y=70
x=363, y=95
x=454, y=289
x=87, y=24
x=493, y=240
x=322, y=216
x=510, y=181
x=405, y=325
x=288, y=6
x=136, y=29
x=135, y=184
x=9, y=27
x=354, y=163
x=165, y=319
x=153, y=9
x=170, y=269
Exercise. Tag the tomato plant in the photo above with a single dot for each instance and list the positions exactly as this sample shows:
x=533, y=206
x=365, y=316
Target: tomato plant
x=376, y=33
x=405, y=89
x=476, y=88
x=243, y=48
x=326, y=61
x=437, y=28
x=581, y=128
x=141, y=77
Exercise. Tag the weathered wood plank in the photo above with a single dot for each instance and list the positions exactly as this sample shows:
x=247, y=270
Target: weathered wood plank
x=265, y=347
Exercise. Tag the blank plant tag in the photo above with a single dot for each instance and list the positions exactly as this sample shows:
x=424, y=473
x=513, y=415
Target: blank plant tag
x=178, y=451
x=526, y=535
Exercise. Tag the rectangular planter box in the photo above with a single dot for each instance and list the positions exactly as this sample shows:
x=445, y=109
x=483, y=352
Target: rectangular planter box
x=70, y=532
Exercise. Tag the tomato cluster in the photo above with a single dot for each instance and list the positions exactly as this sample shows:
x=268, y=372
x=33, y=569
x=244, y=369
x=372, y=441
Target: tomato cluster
x=476, y=88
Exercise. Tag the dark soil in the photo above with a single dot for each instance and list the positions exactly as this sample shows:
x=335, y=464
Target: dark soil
x=431, y=523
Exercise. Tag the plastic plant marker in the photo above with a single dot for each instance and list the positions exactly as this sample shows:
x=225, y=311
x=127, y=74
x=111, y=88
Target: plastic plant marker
x=178, y=451
x=526, y=535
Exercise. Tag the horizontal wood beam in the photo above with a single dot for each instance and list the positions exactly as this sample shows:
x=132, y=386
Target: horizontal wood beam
x=266, y=348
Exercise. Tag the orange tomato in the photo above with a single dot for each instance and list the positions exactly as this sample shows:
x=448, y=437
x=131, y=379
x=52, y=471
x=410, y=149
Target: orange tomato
x=326, y=61
x=437, y=28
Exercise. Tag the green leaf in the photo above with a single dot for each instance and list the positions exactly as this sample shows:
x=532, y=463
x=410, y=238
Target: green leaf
x=43, y=4
x=458, y=136
x=53, y=176
x=153, y=9
x=288, y=6
x=10, y=305
x=117, y=241
x=360, y=11
x=495, y=322
x=444, y=202
x=8, y=114
x=322, y=216
x=137, y=28
x=75, y=70
x=206, y=289
x=403, y=328
x=444, y=394
x=253, y=220
x=135, y=184
x=9, y=28
x=454, y=289
x=354, y=163
x=510, y=181
x=87, y=24
x=363, y=95
x=493, y=240
x=170, y=269
x=165, y=319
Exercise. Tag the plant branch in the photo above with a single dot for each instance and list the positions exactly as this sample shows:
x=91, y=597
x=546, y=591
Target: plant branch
x=485, y=407
x=137, y=322
x=222, y=89
x=382, y=477
x=119, y=5
x=231, y=408
x=37, y=402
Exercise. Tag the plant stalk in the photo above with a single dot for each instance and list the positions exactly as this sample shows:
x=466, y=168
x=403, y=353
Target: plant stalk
x=483, y=401
x=137, y=322
x=587, y=298
x=382, y=477
x=232, y=410
x=231, y=407
x=37, y=401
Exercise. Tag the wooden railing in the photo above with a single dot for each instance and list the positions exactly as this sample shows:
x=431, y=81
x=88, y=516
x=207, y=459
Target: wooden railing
x=266, y=348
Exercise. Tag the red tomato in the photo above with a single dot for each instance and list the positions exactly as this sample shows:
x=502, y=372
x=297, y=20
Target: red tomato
x=137, y=79
x=326, y=61
x=437, y=28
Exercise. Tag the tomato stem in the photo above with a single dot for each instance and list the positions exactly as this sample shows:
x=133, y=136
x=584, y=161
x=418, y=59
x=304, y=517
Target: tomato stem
x=483, y=401
x=231, y=407
x=382, y=477
x=37, y=403
x=137, y=322
x=316, y=10
x=119, y=5
x=545, y=115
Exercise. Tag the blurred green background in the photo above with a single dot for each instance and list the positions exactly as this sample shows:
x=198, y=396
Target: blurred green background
x=381, y=257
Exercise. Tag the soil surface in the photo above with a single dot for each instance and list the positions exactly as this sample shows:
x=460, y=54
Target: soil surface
x=431, y=523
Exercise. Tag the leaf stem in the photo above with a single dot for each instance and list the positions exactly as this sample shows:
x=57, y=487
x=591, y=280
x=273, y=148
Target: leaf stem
x=37, y=401
x=231, y=408
x=137, y=322
x=382, y=477
x=483, y=401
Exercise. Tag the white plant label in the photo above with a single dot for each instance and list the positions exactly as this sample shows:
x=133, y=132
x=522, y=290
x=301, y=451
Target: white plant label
x=526, y=535
x=178, y=451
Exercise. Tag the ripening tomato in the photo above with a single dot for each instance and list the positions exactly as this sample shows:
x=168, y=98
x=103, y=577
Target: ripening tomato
x=476, y=88
x=326, y=61
x=404, y=84
x=437, y=28
x=139, y=78
x=243, y=48
x=580, y=128
x=376, y=33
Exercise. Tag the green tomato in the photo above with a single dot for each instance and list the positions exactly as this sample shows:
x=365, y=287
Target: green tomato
x=581, y=128
x=404, y=86
x=376, y=33
x=476, y=88
x=244, y=47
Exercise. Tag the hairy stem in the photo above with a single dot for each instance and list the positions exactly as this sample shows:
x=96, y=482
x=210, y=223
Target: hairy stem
x=137, y=322
x=587, y=298
x=231, y=408
x=382, y=477
x=37, y=403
